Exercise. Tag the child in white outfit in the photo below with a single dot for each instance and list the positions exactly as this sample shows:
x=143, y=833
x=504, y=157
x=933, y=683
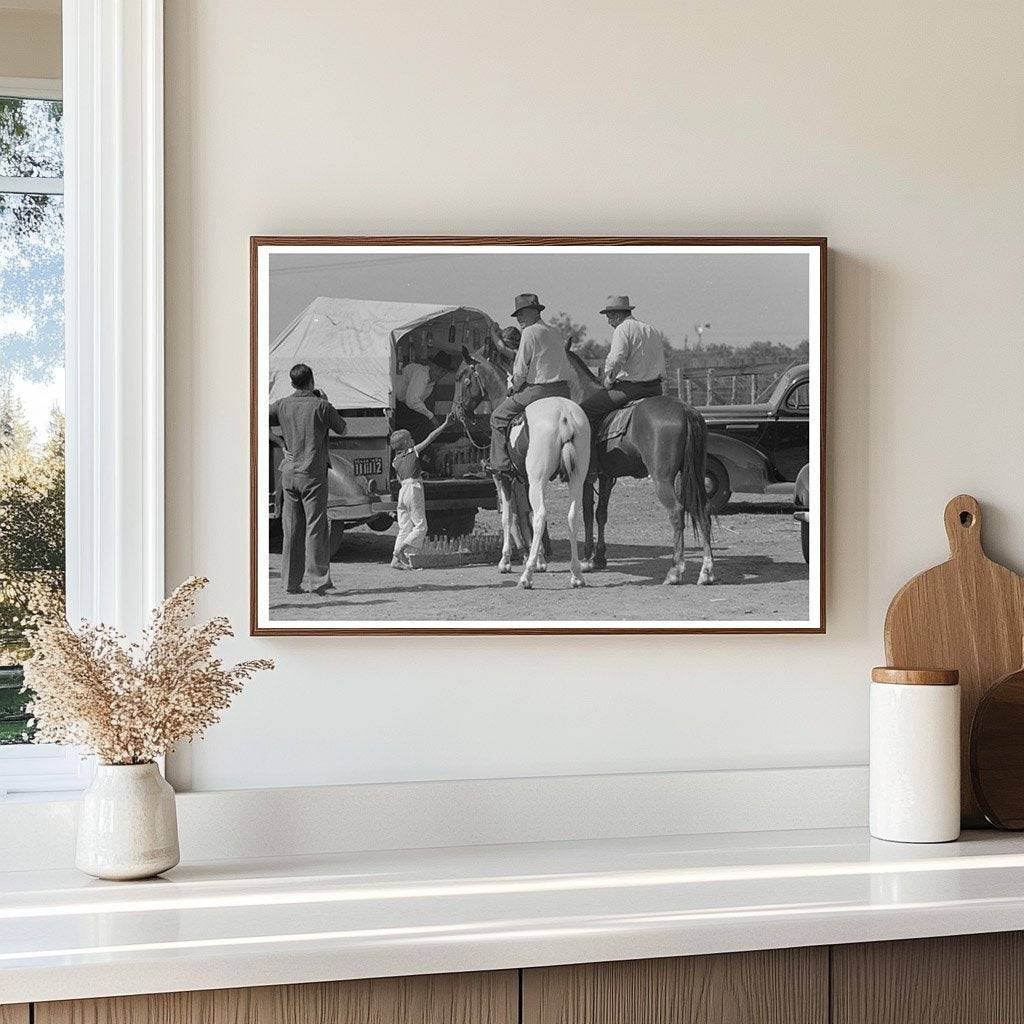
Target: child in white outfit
x=412, y=515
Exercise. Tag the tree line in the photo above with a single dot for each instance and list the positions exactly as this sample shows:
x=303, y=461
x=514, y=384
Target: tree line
x=31, y=545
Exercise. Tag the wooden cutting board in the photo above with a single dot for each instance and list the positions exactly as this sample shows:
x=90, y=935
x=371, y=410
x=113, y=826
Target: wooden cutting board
x=967, y=614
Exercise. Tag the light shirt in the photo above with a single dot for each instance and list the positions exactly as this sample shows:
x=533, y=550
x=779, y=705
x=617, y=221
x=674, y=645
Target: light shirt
x=637, y=352
x=541, y=358
x=413, y=386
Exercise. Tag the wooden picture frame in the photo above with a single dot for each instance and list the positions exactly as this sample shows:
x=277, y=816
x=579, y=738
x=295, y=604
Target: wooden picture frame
x=388, y=248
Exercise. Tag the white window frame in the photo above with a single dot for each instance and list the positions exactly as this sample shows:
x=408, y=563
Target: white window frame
x=114, y=326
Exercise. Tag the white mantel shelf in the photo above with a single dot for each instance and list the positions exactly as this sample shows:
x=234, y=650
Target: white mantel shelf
x=264, y=922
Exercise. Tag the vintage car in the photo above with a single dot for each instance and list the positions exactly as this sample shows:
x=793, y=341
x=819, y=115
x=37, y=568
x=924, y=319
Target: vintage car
x=354, y=348
x=759, y=448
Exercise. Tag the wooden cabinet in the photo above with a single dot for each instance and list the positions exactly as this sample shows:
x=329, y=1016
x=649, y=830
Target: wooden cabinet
x=962, y=979
x=777, y=986
x=491, y=998
x=970, y=979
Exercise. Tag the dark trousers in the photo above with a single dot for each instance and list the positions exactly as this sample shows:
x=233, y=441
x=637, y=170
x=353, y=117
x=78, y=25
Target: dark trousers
x=616, y=395
x=415, y=422
x=307, y=531
x=510, y=408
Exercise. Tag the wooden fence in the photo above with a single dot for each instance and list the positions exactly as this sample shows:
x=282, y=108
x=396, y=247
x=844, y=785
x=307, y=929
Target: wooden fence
x=721, y=385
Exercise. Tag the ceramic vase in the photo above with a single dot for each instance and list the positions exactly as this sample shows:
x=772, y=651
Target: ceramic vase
x=127, y=825
x=915, y=756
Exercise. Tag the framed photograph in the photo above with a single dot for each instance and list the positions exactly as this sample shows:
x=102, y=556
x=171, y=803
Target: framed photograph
x=537, y=435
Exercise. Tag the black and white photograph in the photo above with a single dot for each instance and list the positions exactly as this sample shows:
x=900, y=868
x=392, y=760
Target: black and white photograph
x=552, y=435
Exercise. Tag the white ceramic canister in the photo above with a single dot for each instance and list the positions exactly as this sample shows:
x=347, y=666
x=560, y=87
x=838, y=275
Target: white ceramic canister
x=915, y=755
x=127, y=825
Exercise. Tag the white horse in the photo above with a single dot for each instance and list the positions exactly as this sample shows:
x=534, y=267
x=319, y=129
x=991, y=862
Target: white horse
x=559, y=445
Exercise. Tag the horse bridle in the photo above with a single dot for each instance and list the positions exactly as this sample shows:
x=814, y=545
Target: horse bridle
x=461, y=416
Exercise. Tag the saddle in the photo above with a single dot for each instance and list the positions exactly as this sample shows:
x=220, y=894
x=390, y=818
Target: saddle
x=610, y=453
x=616, y=423
x=517, y=440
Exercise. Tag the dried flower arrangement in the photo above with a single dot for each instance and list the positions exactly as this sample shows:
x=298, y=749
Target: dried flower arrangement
x=129, y=703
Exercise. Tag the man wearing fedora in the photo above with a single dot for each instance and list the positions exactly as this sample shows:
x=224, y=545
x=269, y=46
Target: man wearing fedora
x=413, y=386
x=541, y=370
x=635, y=365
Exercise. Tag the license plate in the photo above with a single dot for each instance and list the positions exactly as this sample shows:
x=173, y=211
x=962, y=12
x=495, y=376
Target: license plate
x=368, y=467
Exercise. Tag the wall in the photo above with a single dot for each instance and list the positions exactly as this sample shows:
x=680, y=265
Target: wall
x=895, y=129
x=30, y=40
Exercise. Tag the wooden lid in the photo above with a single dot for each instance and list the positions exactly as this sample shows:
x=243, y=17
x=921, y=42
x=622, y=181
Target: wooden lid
x=916, y=676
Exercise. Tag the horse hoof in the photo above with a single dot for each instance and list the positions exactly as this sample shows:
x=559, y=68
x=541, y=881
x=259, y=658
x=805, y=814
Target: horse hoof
x=577, y=581
x=593, y=565
x=525, y=584
x=541, y=568
x=504, y=567
x=705, y=579
x=674, y=577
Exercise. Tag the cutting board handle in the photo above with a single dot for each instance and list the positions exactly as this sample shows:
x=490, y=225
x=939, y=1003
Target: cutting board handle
x=963, y=526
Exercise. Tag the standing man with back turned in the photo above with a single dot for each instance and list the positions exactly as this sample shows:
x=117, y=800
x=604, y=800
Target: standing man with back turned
x=635, y=365
x=306, y=418
x=541, y=370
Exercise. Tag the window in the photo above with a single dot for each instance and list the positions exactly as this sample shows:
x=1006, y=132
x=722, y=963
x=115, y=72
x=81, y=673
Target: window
x=91, y=171
x=32, y=548
x=798, y=400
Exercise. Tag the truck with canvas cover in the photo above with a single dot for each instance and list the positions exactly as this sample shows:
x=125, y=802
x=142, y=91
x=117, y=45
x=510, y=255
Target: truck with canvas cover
x=356, y=347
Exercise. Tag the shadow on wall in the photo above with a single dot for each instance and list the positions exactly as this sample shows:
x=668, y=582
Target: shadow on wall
x=855, y=288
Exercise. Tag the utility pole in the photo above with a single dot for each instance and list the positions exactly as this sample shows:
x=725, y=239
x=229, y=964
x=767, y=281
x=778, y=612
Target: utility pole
x=700, y=329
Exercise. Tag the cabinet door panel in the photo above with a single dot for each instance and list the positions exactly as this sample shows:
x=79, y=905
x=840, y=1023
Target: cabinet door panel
x=778, y=986
x=960, y=979
x=14, y=1013
x=481, y=998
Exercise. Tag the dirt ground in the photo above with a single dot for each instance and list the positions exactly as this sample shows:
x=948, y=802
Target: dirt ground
x=759, y=570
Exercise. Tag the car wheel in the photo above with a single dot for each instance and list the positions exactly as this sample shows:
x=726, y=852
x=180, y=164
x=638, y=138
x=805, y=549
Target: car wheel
x=381, y=523
x=805, y=540
x=716, y=480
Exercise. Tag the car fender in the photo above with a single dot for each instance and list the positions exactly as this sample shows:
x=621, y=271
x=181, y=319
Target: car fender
x=748, y=469
x=802, y=489
x=344, y=488
x=345, y=491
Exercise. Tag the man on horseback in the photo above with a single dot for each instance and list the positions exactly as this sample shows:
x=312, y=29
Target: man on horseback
x=635, y=365
x=541, y=370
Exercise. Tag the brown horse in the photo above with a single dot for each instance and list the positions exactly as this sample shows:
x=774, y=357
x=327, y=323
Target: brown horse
x=666, y=440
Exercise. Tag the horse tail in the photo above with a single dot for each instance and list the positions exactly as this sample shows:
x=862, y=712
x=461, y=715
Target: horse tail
x=566, y=437
x=693, y=492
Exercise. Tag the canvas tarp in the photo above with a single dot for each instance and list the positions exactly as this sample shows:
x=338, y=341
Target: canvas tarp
x=350, y=346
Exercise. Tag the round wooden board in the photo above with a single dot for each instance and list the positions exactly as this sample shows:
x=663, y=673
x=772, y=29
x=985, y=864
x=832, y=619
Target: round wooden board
x=997, y=752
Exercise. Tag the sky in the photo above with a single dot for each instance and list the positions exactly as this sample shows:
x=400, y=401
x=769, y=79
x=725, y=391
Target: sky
x=39, y=398
x=745, y=297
